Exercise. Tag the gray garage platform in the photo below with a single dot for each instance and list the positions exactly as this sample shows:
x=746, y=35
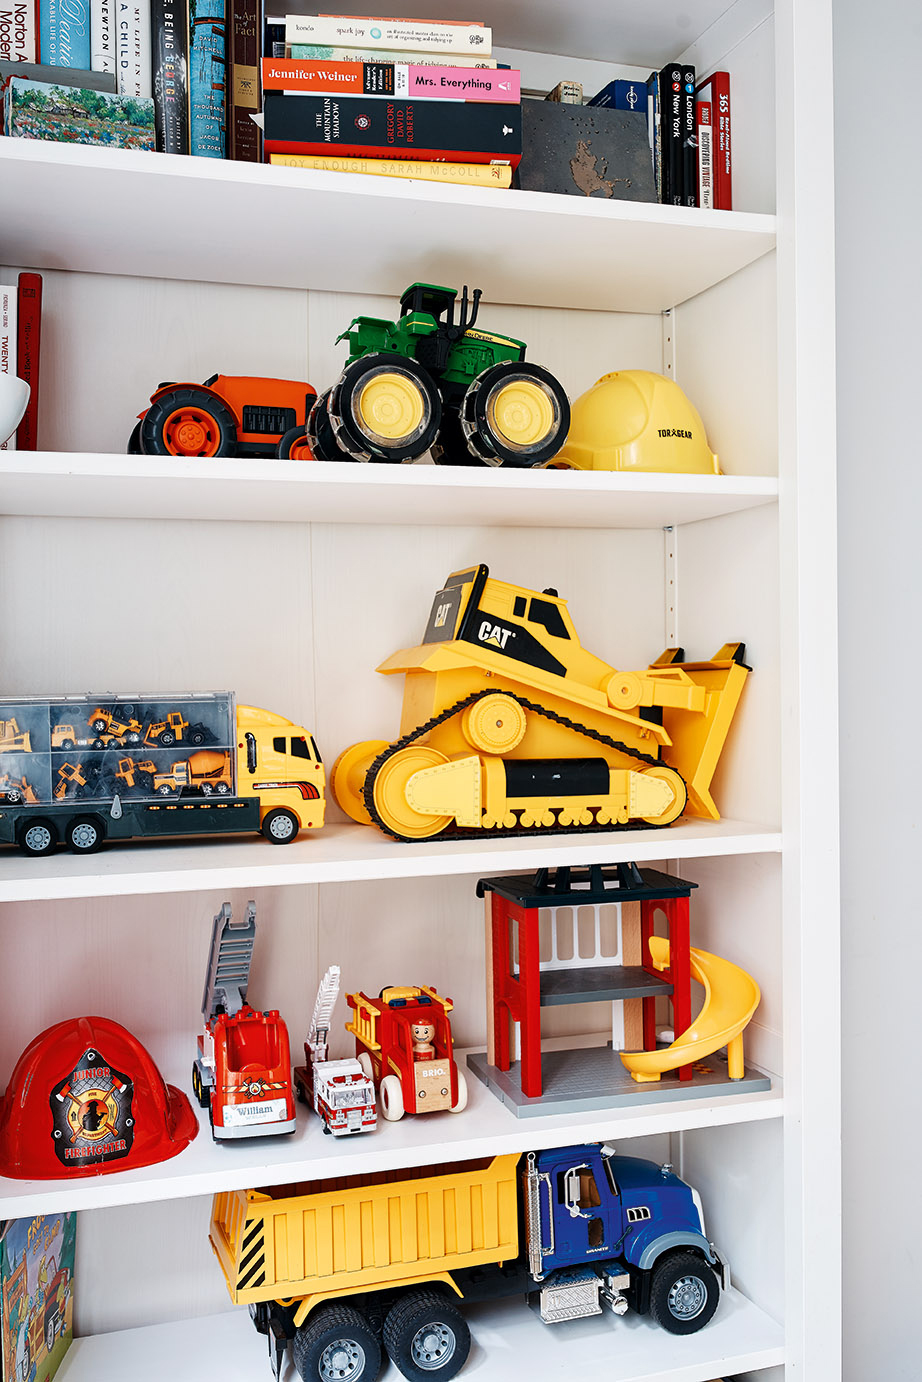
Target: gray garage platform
x=594, y=1078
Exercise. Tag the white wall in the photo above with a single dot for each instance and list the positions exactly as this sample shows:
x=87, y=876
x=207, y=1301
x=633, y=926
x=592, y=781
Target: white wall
x=878, y=213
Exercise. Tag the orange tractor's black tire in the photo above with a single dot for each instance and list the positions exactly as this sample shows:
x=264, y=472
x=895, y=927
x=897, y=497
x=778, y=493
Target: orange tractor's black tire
x=188, y=422
x=295, y=445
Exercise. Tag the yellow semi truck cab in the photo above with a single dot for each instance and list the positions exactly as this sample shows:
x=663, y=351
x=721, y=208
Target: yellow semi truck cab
x=278, y=762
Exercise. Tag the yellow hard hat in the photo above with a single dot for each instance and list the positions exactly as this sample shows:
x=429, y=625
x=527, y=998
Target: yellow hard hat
x=634, y=419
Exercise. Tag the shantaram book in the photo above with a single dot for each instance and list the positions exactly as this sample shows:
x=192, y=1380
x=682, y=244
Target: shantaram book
x=359, y=127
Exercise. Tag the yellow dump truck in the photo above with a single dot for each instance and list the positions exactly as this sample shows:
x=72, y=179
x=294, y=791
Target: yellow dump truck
x=349, y=1271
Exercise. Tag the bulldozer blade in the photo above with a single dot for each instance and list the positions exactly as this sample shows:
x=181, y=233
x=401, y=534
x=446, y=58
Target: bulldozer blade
x=449, y=789
x=697, y=740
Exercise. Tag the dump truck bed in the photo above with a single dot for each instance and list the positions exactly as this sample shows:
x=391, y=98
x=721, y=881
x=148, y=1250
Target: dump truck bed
x=333, y=1242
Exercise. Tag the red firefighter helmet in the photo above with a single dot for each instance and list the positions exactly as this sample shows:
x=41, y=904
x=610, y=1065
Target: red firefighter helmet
x=86, y=1098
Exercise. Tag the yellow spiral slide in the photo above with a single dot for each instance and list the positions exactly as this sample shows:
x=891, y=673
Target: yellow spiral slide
x=731, y=996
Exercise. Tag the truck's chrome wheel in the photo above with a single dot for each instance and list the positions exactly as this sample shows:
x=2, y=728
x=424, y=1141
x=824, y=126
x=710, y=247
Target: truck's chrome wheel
x=432, y=1346
x=342, y=1360
x=688, y=1297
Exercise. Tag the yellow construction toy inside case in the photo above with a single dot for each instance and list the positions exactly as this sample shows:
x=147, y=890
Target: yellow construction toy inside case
x=509, y=725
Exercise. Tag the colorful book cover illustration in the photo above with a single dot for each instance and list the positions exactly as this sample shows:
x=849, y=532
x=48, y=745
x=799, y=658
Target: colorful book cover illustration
x=207, y=78
x=75, y=115
x=37, y=1295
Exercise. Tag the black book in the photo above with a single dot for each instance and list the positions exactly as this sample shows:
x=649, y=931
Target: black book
x=375, y=127
x=169, y=22
x=689, y=137
x=672, y=110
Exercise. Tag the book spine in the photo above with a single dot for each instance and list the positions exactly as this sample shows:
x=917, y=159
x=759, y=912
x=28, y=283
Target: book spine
x=319, y=52
x=244, y=89
x=655, y=131
x=464, y=132
x=705, y=156
x=170, y=74
x=102, y=35
x=476, y=174
x=65, y=33
x=28, y=353
x=8, y=295
x=408, y=35
x=17, y=31
x=689, y=138
x=391, y=79
x=133, y=48
x=671, y=113
x=723, y=160
x=208, y=78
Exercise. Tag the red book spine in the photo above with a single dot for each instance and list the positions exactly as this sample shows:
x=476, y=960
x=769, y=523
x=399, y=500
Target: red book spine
x=28, y=342
x=723, y=161
x=286, y=146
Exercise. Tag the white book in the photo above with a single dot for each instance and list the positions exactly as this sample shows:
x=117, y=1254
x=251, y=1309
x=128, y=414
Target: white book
x=102, y=35
x=408, y=35
x=9, y=298
x=17, y=31
x=133, y=47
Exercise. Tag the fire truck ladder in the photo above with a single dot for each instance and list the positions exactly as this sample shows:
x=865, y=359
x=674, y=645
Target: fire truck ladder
x=228, y=970
x=327, y=994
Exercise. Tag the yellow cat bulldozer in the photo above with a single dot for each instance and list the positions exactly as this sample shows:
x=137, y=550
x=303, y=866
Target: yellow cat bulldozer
x=510, y=726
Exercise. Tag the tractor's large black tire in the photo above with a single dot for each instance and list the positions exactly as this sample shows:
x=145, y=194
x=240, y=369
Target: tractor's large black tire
x=220, y=427
x=450, y=446
x=337, y=1334
x=426, y=1336
x=134, y=441
x=684, y=1293
x=480, y=423
x=319, y=433
x=355, y=431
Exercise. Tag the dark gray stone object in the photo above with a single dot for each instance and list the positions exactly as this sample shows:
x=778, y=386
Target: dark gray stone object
x=585, y=151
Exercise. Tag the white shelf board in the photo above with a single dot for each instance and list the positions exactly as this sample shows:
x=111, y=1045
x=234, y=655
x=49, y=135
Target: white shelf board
x=55, y=484
x=347, y=853
x=485, y=1128
x=355, y=233
x=509, y=1340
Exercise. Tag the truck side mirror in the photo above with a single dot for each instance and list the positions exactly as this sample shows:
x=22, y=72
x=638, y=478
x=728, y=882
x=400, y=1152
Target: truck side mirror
x=572, y=1193
x=251, y=751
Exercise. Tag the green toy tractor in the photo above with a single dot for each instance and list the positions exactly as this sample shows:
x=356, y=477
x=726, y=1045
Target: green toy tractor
x=428, y=383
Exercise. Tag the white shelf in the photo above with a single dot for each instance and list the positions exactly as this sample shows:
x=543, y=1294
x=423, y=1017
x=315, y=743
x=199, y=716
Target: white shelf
x=485, y=1128
x=56, y=484
x=350, y=853
x=508, y=1340
x=296, y=228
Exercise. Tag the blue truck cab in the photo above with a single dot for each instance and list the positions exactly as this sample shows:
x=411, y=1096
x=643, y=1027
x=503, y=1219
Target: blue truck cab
x=602, y=1229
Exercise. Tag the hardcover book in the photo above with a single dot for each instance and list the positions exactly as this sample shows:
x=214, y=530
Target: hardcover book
x=672, y=116
x=358, y=127
x=391, y=79
x=477, y=174
x=413, y=35
x=621, y=95
x=28, y=354
x=65, y=33
x=36, y=1295
x=8, y=343
x=689, y=139
x=585, y=151
x=716, y=88
x=207, y=78
x=244, y=88
x=77, y=115
x=17, y=31
x=133, y=47
x=321, y=51
x=170, y=74
x=102, y=35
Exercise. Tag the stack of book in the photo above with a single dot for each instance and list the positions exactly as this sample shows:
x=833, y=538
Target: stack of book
x=688, y=127
x=396, y=97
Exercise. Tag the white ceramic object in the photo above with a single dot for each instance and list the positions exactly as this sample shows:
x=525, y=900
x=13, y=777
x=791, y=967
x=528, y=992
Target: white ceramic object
x=14, y=398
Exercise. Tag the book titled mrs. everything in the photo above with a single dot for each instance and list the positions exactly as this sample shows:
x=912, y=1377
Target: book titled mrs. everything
x=359, y=127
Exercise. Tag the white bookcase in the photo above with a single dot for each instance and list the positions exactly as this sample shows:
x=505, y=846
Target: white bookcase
x=289, y=583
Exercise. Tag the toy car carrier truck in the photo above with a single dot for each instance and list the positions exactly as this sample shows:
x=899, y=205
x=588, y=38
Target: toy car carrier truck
x=349, y=1273
x=260, y=771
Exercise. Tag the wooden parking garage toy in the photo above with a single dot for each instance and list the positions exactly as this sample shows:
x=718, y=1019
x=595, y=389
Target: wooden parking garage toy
x=351, y=1271
x=619, y=959
x=403, y=1042
x=509, y=725
x=428, y=382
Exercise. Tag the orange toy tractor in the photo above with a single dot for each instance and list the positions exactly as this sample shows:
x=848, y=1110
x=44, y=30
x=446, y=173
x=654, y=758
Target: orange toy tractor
x=228, y=415
x=403, y=1043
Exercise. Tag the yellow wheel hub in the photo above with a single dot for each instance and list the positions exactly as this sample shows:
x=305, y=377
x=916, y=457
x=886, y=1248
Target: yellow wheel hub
x=347, y=779
x=521, y=412
x=495, y=724
x=390, y=405
x=390, y=793
x=666, y=775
